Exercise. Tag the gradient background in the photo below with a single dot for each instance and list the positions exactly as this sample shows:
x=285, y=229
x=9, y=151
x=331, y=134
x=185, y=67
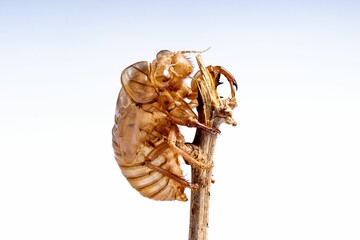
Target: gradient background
x=289, y=170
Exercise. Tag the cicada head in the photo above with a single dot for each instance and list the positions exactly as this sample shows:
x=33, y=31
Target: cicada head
x=170, y=68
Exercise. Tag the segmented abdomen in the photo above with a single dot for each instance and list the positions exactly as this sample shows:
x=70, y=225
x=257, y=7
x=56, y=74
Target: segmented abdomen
x=135, y=134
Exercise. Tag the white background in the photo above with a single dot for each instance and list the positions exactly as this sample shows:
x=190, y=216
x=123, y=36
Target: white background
x=289, y=170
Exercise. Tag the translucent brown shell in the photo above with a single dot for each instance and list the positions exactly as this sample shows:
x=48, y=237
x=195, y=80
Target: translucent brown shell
x=135, y=79
x=136, y=133
x=146, y=139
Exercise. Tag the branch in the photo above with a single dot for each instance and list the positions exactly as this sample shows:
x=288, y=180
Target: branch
x=212, y=112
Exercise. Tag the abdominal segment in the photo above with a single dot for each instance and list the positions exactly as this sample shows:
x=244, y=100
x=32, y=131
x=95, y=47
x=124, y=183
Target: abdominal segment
x=151, y=183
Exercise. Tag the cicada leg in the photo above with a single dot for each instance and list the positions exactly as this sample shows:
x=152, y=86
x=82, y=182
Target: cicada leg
x=217, y=70
x=189, y=152
x=181, y=113
x=156, y=152
x=193, y=122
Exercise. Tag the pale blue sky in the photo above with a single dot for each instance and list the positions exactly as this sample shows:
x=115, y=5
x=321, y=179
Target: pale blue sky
x=290, y=170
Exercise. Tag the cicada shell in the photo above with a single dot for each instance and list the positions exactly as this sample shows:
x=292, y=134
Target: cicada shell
x=153, y=102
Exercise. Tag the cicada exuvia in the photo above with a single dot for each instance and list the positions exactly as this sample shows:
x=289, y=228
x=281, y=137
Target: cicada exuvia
x=153, y=102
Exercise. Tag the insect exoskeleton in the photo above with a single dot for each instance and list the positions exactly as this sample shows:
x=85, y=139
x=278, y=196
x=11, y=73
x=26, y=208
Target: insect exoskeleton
x=153, y=102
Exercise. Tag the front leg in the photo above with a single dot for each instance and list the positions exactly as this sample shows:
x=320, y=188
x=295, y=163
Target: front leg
x=181, y=113
x=190, y=152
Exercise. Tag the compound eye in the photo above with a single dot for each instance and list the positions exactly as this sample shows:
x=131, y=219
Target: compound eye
x=163, y=53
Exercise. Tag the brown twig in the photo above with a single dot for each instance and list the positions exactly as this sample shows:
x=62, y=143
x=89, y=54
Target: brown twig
x=212, y=112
